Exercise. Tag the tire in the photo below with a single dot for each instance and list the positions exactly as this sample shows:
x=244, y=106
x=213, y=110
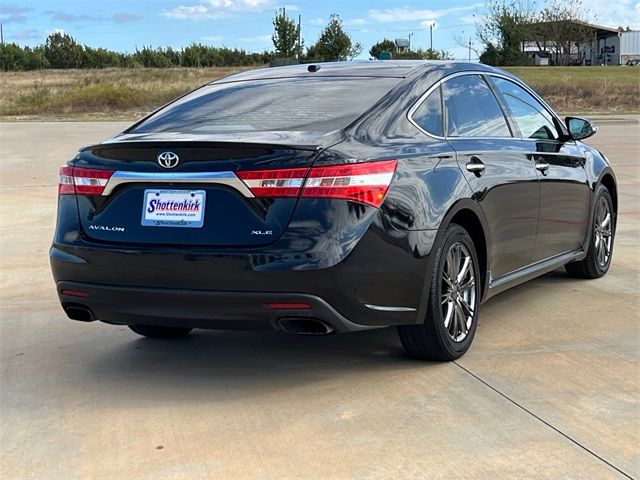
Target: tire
x=449, y=326
x=153, y=331
x=603, y=228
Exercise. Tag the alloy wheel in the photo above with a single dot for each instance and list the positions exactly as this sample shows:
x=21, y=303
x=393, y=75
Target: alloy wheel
x=458, y=299
x=603, y=232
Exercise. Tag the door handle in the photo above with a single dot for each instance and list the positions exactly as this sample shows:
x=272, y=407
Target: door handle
x=542, y=166
x=475, y=166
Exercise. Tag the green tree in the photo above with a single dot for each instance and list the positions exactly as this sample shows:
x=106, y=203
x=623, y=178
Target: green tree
x=385, y=45
x=505, y=26
x=62, y=51
x=12, y=57
x=432, y=54
x=420, y=54
x=286, y=35
x=334, y=43
x=491, y=55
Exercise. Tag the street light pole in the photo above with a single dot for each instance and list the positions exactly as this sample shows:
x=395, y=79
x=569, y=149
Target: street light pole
x=469, y=50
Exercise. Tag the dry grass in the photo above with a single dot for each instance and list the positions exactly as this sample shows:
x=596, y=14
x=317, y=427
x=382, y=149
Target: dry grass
x=129, y=93
x=585, y=89
x=96, y=94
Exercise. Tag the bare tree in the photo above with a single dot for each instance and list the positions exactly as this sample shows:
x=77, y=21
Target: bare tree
x=507, y=26
x=466, y=42
x=560, y=26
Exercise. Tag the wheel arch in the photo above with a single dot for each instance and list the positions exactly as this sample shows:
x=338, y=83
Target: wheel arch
x=470, y=221
x=609, y=182
x=468, y=214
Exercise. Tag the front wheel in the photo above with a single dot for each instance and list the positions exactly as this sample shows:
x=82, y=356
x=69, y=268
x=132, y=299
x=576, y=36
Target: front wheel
x=153, y=331
x=452, y=306
x=598, y=259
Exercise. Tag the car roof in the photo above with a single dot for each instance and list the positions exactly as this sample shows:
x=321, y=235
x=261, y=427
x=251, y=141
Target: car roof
x=371, y=68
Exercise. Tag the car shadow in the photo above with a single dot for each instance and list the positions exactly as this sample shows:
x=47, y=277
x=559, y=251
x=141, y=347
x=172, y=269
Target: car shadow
x=222, y=364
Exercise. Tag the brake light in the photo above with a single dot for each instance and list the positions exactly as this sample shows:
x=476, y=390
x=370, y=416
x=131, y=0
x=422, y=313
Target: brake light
x=82, y=181
x=366, y=182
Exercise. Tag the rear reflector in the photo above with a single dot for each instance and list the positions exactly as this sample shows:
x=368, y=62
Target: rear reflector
x=365, y=182
x=289, y=306
x=82, y=181
x=75, y=293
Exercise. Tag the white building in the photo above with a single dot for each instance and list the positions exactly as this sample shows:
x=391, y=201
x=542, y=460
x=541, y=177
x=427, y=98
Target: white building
x=614, y=49
x=593, y=45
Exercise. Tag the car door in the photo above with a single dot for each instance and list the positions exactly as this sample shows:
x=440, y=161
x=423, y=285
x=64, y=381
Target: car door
x=496, y=166
x=560, y=165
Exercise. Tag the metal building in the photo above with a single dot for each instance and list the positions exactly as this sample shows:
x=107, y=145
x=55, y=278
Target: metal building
x=583, y=44
x=629, y=46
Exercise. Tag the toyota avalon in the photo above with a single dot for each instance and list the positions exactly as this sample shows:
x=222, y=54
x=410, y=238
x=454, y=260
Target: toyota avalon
x=332, y=197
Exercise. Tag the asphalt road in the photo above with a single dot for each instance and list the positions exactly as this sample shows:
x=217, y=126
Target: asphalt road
x=549, y=389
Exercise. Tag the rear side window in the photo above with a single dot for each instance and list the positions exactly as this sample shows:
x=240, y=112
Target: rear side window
x=472, y=110
x=302, y=104
x=533, y=120
x=429, y=114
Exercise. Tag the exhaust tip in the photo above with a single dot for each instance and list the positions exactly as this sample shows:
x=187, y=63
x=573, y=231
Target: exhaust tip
x=79, y=312
x=305, y=326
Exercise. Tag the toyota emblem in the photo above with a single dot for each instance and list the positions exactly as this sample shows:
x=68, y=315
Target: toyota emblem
x=168, y=159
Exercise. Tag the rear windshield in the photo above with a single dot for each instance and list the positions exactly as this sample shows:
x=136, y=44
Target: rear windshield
x=301, y=104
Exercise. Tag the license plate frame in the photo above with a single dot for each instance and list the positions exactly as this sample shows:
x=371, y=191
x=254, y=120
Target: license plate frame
x=173, y=208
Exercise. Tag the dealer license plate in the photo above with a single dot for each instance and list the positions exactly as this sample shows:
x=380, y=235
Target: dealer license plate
x=173, y=208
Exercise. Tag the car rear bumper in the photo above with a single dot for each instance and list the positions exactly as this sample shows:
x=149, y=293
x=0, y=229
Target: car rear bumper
x=199, y=308
x=377, y=282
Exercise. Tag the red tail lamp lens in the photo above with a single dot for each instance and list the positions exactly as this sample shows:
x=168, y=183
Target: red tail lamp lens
x=366, y=182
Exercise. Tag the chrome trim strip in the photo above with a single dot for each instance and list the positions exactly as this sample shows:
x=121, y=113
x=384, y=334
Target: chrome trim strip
x=213, y=178
x=383, y=308
x=417, y=104
x=518, y=82
x=424, y=96
x=551, y=262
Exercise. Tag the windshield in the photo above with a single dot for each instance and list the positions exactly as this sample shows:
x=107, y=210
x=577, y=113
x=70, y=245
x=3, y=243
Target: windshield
x=321, y=104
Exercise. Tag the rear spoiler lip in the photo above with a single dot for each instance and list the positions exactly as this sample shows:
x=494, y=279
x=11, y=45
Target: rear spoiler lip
x=310, y=141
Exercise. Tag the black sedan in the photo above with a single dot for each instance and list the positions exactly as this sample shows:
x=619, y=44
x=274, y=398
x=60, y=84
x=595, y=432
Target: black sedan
x=332, y=198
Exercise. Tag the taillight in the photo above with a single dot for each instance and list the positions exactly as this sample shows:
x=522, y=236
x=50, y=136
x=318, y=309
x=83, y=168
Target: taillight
x=365, y=182
x=361, y=182
x=82, y=181
x=274, y=183
x=65, y=184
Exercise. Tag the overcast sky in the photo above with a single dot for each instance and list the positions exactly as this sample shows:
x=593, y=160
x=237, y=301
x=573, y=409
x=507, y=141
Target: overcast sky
x=123, y=25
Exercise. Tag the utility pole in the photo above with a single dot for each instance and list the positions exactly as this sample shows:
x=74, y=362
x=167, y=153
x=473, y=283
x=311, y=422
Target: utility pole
x=1, y=35
x=431, y=36
x=469, y=50
x=299, y=36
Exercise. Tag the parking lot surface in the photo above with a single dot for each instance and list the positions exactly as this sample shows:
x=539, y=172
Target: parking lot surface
x=550, y=388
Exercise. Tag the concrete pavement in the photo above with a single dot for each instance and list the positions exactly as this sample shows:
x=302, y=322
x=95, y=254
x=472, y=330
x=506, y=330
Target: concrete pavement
x=550, y=388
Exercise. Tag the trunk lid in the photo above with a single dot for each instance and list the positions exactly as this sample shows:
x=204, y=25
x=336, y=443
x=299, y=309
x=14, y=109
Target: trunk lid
x=200, y=200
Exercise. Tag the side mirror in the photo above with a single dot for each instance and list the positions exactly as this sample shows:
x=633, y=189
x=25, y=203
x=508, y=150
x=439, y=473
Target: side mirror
x=580, y=128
